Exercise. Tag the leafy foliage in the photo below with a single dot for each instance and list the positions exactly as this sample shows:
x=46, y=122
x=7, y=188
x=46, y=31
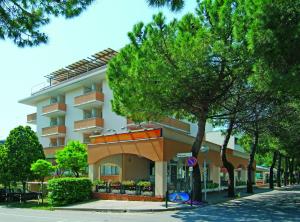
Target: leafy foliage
x=174, y=5
x=21, y=20
x=64, y=191
x=4, y=176
x=273, y=35
x=73, y=158
x=23, y=149
x=184, y=68
x=42, y=169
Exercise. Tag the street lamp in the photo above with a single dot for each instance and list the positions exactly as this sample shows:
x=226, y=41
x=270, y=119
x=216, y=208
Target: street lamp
x=204, y=149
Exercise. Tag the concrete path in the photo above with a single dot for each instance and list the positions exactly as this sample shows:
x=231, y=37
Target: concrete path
x=125, y=206
x=146, y=206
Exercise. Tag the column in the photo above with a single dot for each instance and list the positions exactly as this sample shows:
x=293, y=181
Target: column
x=215, y=174
x=94, y=87
x=160, y=178
x=94, y=113
x=235, y=176
x=93, y=171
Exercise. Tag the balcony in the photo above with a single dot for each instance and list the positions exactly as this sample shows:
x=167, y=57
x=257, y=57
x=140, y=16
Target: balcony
x=53, y=110
x=166, y=122
x=89, y=125
x=31, y=118
x=54, y=131
x=89, y=100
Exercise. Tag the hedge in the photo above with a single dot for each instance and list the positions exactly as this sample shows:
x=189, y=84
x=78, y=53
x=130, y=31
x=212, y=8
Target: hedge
x=64, y=191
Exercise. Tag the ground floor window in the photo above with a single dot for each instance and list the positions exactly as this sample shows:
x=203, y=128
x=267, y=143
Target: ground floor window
x=109, y=170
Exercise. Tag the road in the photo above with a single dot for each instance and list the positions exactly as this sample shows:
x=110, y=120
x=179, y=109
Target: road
x=283, y=205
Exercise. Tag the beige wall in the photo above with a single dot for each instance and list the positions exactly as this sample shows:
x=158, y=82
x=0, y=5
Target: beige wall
x=135, y=167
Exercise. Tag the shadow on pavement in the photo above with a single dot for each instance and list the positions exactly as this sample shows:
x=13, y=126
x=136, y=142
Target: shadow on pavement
x=271, y=206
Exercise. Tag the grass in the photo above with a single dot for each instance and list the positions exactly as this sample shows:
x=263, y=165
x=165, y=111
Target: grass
x=29, y=205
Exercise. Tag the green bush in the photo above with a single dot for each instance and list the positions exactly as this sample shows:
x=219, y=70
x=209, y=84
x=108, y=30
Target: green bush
x=129, y=185
x=241, y=183
x=64, y=191
x=212, y=185
x=145, y=185
x=99, y=182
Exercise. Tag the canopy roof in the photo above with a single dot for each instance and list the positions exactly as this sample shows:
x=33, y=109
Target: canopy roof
x=84, y=65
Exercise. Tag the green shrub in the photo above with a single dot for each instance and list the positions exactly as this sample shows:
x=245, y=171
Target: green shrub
x=64, y=191
x=145, y=185
x=99, y=182
x=212, y=185
x=129, y=185
x=241, y=183
x=115, y=185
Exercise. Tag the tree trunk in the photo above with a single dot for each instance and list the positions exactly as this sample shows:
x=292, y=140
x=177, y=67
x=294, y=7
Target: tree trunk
x=271, y=180
x=279, y=171
x=228, y=165
x=250, y=164
x=24, y=186
x=286, y=167
x=42, y=195
x=292, y=180
x=197, y=187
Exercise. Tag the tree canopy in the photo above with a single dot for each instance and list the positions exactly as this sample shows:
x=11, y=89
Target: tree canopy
x=72, y=158
x=23, y=149
x=22, y=21
x=184, y=68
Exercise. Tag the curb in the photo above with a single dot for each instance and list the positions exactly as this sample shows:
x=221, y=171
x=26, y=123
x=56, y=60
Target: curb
x=126, y=210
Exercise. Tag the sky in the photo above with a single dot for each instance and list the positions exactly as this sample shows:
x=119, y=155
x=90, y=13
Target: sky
x=104, y=24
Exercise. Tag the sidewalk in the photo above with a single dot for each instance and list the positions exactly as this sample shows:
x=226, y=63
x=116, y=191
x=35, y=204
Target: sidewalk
x=146, y=206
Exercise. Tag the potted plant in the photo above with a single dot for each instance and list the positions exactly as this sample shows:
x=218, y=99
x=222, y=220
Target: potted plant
x=240, y=184
x=212, y=187
x=115, y=187
x=146, y=188
x=129, y=186
x=101, y=186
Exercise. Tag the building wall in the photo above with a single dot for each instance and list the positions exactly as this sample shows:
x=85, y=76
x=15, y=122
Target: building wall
x=135, y=168
x=42, y=122
x=111, y=119
x=73, y=114
x=217, y=138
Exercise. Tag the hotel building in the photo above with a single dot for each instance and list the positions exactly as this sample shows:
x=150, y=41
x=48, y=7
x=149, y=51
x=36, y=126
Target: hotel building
x=76, y=105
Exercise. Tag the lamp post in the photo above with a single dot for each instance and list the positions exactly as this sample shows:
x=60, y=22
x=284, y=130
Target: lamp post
x=204, y=149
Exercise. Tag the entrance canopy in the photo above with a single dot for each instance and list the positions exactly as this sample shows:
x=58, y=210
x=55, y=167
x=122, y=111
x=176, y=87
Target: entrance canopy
x=145, y=143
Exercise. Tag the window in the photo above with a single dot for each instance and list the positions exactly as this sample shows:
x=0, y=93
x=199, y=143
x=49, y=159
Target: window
x=87, y=114
x=108, y=170
x=87, y=90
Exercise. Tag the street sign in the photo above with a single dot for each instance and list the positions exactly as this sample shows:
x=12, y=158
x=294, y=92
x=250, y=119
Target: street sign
x=184, y=154
x=191, y=161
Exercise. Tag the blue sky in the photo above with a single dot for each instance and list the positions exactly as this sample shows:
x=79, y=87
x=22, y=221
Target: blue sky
x=104, y=25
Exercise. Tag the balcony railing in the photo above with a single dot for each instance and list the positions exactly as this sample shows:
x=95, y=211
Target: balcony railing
x=55, y=109
x=54, y=131
x=92, y=99
x=31, y=118
x=88, y=124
